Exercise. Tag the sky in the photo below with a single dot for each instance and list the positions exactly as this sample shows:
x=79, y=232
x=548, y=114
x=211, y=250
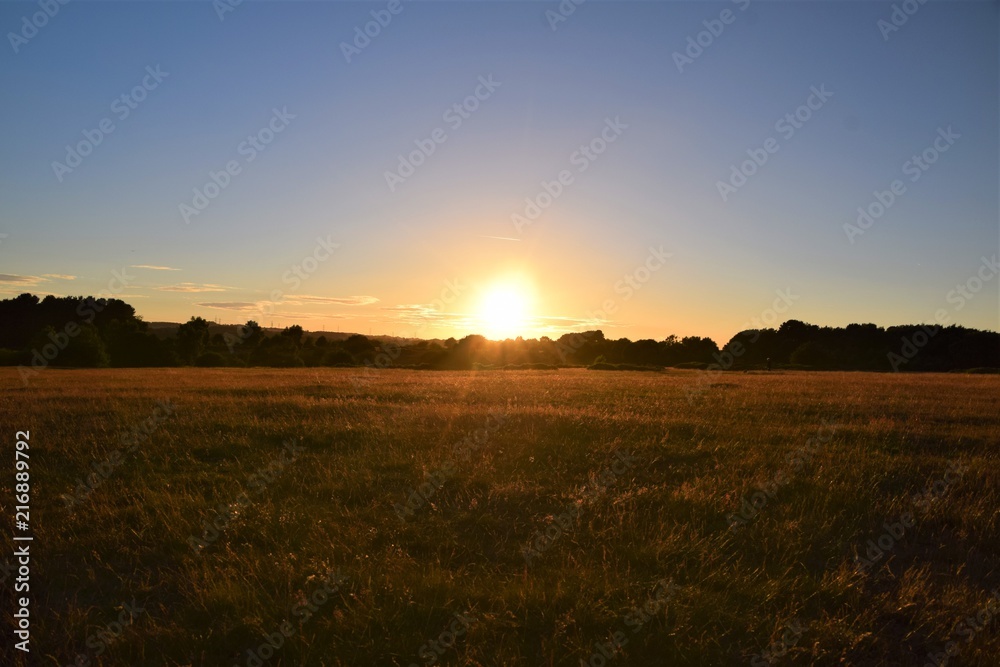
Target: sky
x=506, y=168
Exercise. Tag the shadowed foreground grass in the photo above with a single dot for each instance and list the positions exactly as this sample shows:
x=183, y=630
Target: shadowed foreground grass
x=558, y=509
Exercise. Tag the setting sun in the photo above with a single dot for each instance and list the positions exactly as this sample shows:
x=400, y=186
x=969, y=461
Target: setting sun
x=504, y=311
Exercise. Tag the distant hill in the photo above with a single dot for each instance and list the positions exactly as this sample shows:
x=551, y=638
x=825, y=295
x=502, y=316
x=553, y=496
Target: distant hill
x=164, y=330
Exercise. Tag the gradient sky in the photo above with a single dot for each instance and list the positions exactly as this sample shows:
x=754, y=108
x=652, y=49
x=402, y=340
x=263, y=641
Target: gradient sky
x=323, y=176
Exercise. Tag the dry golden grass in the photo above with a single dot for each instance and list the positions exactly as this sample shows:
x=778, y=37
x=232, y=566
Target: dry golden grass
x=664, y=518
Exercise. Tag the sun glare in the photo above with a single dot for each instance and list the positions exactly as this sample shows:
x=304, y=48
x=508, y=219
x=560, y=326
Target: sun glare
x=504, y=311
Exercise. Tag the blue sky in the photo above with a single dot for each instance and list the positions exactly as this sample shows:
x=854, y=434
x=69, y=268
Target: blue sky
x=655, y=186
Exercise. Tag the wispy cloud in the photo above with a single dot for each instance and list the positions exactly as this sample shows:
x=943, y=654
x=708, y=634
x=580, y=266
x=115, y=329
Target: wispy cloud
x=412, y=309
x=152, y=267
x=425, y=315
x=230, y=305
x=337, y=300
x=259, y=307
x=192, y=287
x=560, y=325
x=16, y=291
x=21, y=280
x=499, y=238
x=58, y=276
x=308, y=316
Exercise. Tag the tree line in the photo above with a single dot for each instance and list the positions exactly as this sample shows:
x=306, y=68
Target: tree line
x=93, y=332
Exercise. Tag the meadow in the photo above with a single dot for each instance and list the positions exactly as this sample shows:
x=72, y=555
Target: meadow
x=328, y=517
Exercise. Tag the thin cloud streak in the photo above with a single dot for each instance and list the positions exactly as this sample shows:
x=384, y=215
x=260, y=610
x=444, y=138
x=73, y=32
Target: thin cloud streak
x=230, y=305
x=363, y=300
x=21, y=280
x=192, y=287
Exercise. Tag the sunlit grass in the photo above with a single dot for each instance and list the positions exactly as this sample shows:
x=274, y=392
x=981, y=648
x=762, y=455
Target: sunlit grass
x=365, y=448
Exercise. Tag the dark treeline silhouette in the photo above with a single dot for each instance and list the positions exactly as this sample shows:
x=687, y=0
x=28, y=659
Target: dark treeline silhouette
x=89, y=332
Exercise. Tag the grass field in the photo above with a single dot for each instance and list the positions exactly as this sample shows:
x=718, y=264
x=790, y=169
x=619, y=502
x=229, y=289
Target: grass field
x=506, y=518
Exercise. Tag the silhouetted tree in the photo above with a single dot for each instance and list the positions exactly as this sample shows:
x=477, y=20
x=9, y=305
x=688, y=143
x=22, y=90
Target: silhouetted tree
x=192, y=337
x=87, y=331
